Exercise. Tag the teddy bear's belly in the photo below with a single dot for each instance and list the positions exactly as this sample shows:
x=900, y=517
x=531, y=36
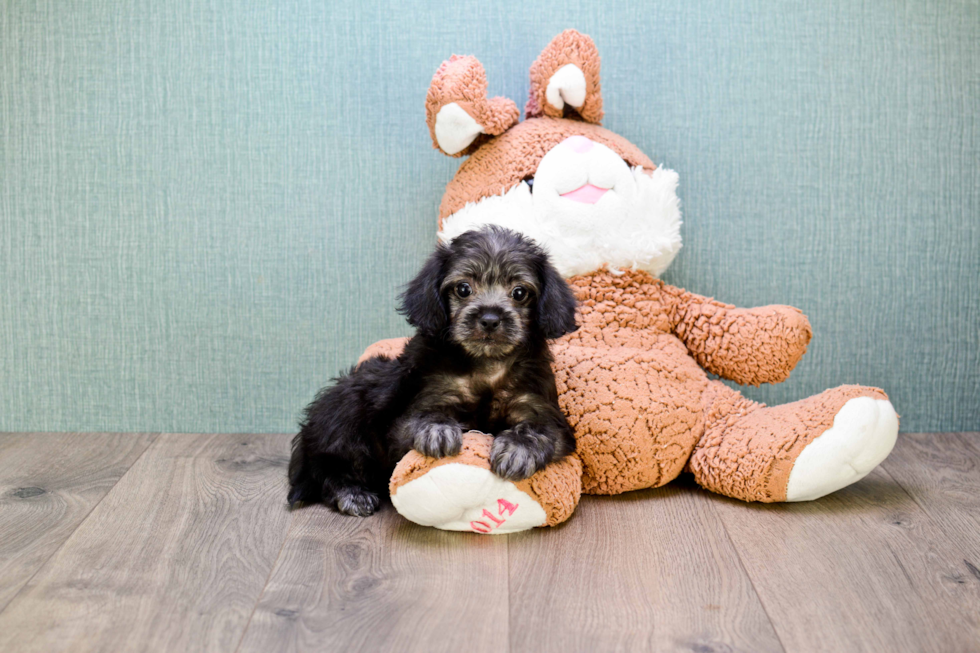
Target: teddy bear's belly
x=636, y=409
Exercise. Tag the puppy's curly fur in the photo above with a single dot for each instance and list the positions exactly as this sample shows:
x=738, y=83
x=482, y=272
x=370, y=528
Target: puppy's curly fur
x=484, y=307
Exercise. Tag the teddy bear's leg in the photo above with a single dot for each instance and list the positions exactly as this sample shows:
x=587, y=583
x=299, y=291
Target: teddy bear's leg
x=460, y=493
x=795, y=452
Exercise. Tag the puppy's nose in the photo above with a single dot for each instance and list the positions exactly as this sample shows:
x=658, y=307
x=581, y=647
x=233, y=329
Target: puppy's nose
x=489, y=321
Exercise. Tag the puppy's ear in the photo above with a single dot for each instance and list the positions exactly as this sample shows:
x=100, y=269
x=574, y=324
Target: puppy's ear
x=422, y=303
x=556, y=303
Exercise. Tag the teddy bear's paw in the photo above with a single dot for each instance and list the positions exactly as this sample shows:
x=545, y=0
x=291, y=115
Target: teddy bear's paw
x=461, y=497
x=863, y=434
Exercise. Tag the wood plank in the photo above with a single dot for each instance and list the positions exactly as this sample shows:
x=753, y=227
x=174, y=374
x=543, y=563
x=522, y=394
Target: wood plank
x=862, y=569
x=382, y=584
x=173, y=559
x=49, y=482
x=941, y=472
x=650, y=570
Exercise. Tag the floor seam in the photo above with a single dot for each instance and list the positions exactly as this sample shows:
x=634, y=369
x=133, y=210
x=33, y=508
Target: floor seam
x=510, y=624
x=265, y=585
x=951, y=537
x=741, y=564
x=911, y=496
x=155, y=437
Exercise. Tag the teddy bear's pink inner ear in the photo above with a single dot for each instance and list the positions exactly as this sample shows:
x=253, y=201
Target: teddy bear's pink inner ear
x=458, y=111
x=565, y=78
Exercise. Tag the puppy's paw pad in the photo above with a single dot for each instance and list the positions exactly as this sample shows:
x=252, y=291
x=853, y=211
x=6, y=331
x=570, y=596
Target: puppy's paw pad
x=439, y=440
x=357, y=501
x=515, y=458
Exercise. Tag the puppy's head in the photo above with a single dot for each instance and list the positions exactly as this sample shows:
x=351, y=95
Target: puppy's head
x=490, y=291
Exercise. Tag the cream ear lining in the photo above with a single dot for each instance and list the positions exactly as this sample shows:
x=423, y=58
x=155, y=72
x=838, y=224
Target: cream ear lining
x=566, y=85
x=455, y=129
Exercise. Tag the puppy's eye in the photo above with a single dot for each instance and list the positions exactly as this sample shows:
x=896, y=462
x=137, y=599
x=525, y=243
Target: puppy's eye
x=463, y=289
x=530, y=182
x=519, y=293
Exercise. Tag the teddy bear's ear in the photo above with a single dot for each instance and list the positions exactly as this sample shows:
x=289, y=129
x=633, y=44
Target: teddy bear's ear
x=566, y=74
x=458, y=111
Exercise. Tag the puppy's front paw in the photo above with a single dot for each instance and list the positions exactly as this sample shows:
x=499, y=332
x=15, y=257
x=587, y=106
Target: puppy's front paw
x=357, y=501
x=518, y=453
x=439, y=440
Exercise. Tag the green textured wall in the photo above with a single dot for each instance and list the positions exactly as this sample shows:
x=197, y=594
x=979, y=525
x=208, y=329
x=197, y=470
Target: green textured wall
x=206, y=206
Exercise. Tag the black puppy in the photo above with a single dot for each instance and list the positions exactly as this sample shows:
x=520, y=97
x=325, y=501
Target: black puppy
x=484, y=307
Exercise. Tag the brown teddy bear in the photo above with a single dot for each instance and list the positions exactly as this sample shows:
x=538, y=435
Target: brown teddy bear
x=634, y=379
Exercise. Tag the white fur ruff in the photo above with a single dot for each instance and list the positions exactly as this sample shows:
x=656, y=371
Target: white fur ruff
x=636, y=225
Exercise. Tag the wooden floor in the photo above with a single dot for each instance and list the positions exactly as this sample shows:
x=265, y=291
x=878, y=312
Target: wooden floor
x=116, y=542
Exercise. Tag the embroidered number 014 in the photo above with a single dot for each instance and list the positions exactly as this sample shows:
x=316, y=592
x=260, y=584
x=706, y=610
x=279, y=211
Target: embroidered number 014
x=504, y=509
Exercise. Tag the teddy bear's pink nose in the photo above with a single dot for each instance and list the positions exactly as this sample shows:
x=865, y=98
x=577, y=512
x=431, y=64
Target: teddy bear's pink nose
x=580, y=144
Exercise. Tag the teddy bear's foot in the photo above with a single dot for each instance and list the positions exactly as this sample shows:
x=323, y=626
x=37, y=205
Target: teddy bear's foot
x=794, y=452
x=460, y=493
x=461, y=497
x=863, y=434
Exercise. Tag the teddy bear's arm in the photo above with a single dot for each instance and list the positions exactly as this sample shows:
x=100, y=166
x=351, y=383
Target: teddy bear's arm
x=750, y=346
x=392, y=348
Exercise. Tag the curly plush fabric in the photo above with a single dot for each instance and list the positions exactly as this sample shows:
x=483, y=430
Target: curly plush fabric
x=632, y=383
x=557, y=488
x=389, y=348
x=641, y=404
x=505, y=161
x=462, y=80
x=634, y=379
x=750, y=346
x=474, y=451
x=748, y=449
x=568, y=48
x=644, y=409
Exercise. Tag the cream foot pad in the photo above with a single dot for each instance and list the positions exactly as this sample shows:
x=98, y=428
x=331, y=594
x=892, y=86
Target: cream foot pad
x=863, y=434
x=460, y=493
